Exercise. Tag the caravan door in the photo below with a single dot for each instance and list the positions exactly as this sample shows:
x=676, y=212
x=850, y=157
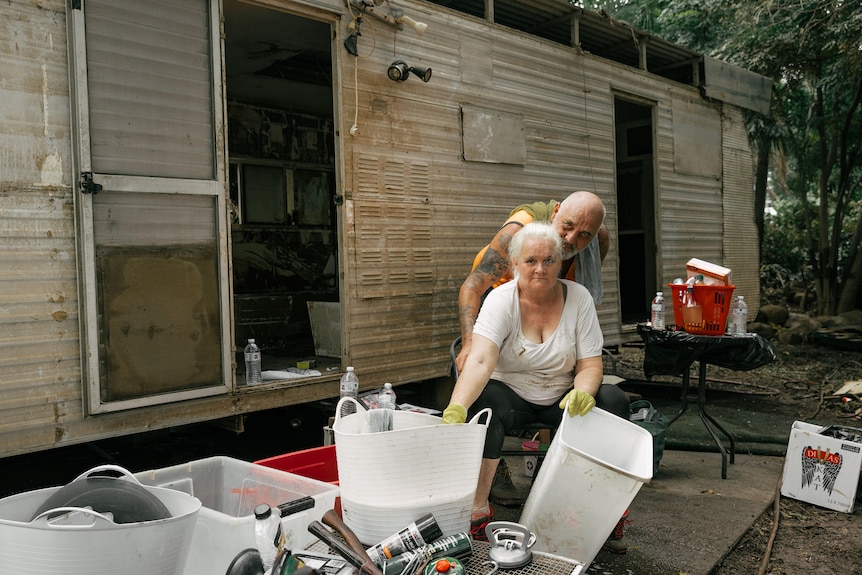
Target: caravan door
x=151, y=211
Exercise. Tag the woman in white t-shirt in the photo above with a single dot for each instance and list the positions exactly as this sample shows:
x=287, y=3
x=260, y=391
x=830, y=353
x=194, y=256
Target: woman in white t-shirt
x=537, y=348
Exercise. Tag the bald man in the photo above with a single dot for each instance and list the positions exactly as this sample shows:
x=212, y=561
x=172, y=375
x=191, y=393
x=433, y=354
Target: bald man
x=579, y=221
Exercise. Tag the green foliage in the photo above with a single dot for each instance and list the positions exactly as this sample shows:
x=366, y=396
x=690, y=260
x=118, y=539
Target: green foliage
x=812, y=50
x=783, y=242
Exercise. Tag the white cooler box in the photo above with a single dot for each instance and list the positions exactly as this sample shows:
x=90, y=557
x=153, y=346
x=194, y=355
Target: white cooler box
x=229, y=490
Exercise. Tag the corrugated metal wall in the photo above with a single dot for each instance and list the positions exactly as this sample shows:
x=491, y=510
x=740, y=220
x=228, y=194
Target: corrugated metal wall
x=565, y=102
x=741, y=250
x=40, y=366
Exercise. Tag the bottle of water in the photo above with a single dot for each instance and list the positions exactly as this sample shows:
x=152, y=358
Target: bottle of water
x=740, y=316
x=252, y=363
x=657, y=311
x=268, y=535
x=349, y=387
x=386, y=397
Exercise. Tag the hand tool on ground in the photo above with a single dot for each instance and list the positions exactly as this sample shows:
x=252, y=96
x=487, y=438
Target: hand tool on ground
x=332, y=519
x=364, y=564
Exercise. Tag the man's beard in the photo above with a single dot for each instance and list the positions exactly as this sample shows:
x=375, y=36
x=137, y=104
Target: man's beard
x=569, y=252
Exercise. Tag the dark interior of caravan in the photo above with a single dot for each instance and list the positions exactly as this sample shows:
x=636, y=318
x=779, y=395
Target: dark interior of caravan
x=282, y=185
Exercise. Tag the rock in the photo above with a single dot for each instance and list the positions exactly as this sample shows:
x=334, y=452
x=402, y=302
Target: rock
x=774, y=314
x=761, y=329
x=802, y=323
x=852, y=317
x=791, y=337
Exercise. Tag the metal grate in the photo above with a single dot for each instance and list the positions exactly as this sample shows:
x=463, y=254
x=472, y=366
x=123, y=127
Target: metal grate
x=478, y=562
x=542, y=564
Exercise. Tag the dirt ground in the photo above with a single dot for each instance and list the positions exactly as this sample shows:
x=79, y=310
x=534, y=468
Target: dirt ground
x=808, y=539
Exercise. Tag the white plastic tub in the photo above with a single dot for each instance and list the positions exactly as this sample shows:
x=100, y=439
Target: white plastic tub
x=83, y=542
x=593, y=469
x=392, y=478
x=229, y=490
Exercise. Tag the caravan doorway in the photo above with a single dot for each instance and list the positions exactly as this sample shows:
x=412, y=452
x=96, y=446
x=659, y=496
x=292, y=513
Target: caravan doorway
x=638, y=280
x=281, y=155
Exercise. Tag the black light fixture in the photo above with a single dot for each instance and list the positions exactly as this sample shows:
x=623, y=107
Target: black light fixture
x=400, y=71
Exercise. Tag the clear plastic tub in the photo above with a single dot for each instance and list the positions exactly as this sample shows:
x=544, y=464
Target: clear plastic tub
x=229, y=490
x=593, y=469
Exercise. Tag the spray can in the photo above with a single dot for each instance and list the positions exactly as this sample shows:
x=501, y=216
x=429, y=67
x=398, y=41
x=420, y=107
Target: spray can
x=421, y=532
x=455, y=546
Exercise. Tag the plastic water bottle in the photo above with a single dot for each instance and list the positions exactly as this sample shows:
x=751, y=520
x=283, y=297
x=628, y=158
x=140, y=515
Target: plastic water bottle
x=386, y=398
x=252, y=363
x=657, y=311
x=349, y=387
x=740, y=317
x=268, y=535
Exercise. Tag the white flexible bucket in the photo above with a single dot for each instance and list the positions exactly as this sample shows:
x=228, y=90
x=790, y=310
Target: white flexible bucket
x=594, y=467
x=90, y=543
x=390, y=479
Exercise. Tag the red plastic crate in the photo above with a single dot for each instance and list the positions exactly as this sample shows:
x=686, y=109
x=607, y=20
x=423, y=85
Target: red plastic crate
x=315, y=463
x=715, y=302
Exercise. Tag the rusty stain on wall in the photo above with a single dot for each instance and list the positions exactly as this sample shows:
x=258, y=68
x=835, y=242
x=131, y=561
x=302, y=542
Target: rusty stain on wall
x=162, y=331
x=59, y=315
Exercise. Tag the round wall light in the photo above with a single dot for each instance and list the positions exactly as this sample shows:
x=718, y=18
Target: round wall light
x=398, y=71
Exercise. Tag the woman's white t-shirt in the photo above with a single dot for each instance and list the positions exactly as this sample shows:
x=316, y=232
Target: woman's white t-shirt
x=540, y=372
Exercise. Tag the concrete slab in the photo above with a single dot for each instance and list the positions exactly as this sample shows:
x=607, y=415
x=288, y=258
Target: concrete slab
x=687, y=518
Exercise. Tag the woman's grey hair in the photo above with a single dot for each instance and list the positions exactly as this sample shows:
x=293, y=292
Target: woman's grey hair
x=538, y=231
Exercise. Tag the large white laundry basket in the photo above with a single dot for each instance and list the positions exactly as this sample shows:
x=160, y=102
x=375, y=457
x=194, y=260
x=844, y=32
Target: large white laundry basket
x=83, y=542
x=390, y=479
x=594, y=467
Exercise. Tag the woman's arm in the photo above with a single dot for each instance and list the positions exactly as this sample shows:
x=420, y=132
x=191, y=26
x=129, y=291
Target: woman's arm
x=588, y=374
x=588, y=378
x=477, y=371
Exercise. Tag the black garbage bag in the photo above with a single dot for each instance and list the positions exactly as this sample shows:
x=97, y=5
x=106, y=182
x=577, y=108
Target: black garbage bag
x=643, y=414
x=672, y=352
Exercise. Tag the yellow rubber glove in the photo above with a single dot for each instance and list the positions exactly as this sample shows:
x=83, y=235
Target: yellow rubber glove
x=455, y=414
x=578, y=402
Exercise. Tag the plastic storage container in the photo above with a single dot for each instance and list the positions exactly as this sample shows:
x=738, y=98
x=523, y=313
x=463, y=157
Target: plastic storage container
x=316, y=463
x=417, y=465
x=229, y=490
x=89, y=543
x=715, y=302
x=593, y=469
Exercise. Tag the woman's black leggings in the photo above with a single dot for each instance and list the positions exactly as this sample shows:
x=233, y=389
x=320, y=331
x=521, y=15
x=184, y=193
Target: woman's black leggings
x=510, y=411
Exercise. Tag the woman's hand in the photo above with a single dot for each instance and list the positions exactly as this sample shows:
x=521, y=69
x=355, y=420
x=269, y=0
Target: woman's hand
x=578, y=402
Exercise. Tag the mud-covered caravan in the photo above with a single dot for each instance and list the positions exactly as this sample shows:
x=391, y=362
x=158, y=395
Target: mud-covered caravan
x=178, y=176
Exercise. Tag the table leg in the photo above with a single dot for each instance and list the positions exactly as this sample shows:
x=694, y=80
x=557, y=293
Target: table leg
x=683, y=399
x=709, y=422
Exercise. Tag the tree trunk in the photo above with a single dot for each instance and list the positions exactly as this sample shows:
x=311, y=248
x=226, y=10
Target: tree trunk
x=853, y=274
x=761, y=182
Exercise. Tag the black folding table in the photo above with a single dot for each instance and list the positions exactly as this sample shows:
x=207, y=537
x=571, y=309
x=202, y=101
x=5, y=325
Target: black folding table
x=670, y=352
